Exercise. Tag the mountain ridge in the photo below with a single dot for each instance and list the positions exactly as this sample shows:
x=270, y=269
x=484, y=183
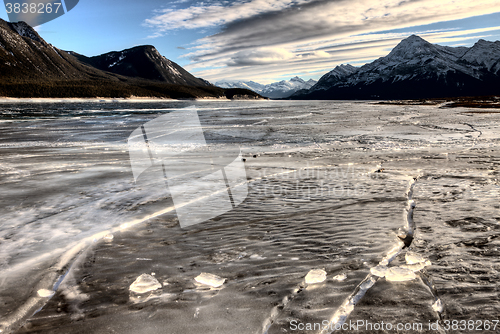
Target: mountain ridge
x=143, y=61
x=415, y=69
x=31, y=67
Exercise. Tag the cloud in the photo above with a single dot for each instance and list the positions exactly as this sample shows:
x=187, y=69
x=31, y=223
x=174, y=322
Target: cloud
x=268, y=35
x=266, y=56
x=203, y=15
x=260, y=57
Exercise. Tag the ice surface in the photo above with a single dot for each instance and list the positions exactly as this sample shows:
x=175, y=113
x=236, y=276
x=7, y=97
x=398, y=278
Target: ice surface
x=398, y=274
x=315, y=276
x=145, y=283
x=66, y=177
x=210, y=280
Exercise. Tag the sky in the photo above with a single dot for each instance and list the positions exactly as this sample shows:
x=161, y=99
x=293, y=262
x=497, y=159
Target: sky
x=268, y=40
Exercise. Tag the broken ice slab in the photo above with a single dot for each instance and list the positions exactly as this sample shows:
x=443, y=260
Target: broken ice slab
x=412, y=258
x=45, y=293
x=210, y=279
x=399, y=274
x=340, y=277
x=379, y=270
x=416, y=266
x=145, y=283
x=392, y=253
x=315, y=276
x=256, y=257
x=438, y=306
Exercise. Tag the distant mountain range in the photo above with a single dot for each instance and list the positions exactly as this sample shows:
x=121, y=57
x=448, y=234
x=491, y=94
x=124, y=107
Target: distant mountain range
x=274, y=90
x=31, y=67
x=415, y=69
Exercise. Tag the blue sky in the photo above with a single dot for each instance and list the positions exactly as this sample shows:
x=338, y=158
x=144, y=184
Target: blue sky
x=264, y=40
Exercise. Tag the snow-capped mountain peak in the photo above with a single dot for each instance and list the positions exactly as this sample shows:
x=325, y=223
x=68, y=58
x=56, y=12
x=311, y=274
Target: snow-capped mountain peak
x=252, y=85
x=338, y=73
x=484, y=53
x=275, y=90
x=297, y=80
x=342, y=71
x=411, y=48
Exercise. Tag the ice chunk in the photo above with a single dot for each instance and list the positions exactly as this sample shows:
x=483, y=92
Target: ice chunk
x=412, y=258
x=379, y=270
x=340, y=277
x=45, y=293
x=256, y=257
x=108, y=237
x=210, y=279
x=315, y=276
x=392, y=253
x=438, y=306
x=416, y=266
x=145, y=283
x=398, y=274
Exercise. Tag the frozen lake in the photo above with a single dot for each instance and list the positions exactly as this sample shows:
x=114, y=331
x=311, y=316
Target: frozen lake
x=330, y=187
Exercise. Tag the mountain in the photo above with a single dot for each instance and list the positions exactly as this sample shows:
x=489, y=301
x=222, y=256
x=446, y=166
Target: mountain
x=252, y=85
x=31, y=67
x=284, y=88
x=334, y=76
x=274, y=90
x=415, y=69
x=24, y=55
x=143, y=62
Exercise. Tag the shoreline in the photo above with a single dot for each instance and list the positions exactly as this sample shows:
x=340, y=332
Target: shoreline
x=490, y=102
x=6, y=99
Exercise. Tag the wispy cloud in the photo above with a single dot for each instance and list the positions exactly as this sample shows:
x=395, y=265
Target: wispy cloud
x=205, y=15
x=260, y=38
